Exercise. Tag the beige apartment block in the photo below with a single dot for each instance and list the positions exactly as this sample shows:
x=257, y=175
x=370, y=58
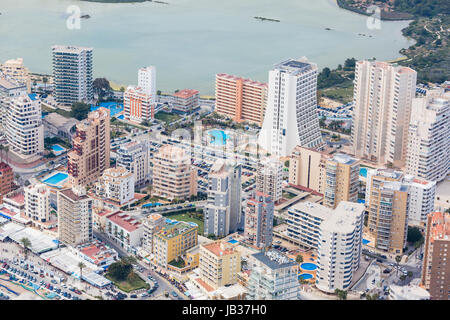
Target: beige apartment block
x=387, y=203
x=90, y=153
x=382, y=99
x=240, y=99
x=173, y=176
x=219, y=264
x=15, y=69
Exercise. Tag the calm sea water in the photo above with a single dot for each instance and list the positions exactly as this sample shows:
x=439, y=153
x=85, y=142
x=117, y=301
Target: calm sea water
x=189, y=41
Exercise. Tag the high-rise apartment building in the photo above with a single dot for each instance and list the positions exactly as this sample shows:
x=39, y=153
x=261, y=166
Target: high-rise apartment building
x=428, y=154
x=90, y=156
x=23, y=126
x=14, y=69
x=387, y=201
x=342, y=180
x=115, y=185
x=222, y=212
x=339, y=249
x=6, y=179
x=273, y=277
x=269, y=177
x=37, y=202
x=153, y=223
x=258, y=230
x=436, y=264
x=240, y=99
x=219, y=264
x=74, y=216
x=382, y=99
x=307, y=168
x=421, y=199
x=72, y=74
x=173, y=175
x=134, y=156
x=147, y=81
x=8, y=89
x=291, y=117
x=173, y=240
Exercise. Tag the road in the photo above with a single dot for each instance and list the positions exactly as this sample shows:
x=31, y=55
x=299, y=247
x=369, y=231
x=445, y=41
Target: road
x=164, y=285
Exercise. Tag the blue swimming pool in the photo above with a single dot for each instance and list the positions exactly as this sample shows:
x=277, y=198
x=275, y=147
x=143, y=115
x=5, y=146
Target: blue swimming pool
x=363, y=172
x=217, y=137
x=114, y=107
x=56, y=178
x=308, y=266
x=154, y=204
x=233, y=241
x=305, y=276
x=365, y=241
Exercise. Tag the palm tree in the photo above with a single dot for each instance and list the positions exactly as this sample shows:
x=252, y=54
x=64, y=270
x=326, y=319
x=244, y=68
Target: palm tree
x=26, y=244
x=81, y=265
x=45, y=80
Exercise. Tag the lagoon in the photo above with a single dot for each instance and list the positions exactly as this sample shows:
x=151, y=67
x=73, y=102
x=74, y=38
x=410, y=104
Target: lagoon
x=189, y=41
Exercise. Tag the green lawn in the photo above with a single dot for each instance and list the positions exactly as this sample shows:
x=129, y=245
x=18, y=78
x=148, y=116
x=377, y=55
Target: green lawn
x=342, y=94
x=178, y=264
x=186, y=218
x=167, y=117
x=288, y=195
x=135, y=283
x=62, y=112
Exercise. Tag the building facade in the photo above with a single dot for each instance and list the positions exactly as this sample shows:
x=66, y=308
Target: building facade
x=436, y=265
x=240, y=99
x=421, y=199
x=269, y=177
x=222, y=212
x=72, y=74
x=342, y=180
x=6, y=179
x=428, y=154
x=116, y=185
x=15, y=70
x=186, y=100
x=219, y=264
x=339, y=249
x=125, y=231
x=387, y=201
x=291, y=117
x=134, y=156
x=173, y=176
x=74, y=216
x=90, y=154
x=37, y=202
x=138, y=105
x=23, y=126
x=172, y=241
x=259, y=220
x=382, y=99
x=273, y=277
x=153, y=223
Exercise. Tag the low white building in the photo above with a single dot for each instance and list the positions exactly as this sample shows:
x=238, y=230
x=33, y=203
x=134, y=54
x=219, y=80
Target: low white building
x=125, y=231
x=410, y=292
x=37, y=202
x=117, y=185
x=339, y=247
x=134, y=156
x=421, y=199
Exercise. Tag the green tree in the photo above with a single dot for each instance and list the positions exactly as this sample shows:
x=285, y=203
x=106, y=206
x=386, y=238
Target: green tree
x=45, y=80
x=414, y=235
x=342, y=294
x=80, y=110
x=299, y=258
x=81, y=265
x=26, y=243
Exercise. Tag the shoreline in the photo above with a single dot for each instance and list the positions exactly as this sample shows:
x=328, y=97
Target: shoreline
x=384, y=16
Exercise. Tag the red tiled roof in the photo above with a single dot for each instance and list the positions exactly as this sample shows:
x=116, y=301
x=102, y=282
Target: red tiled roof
x=204, y=285
x=185, y=93
x=18, y=198
x=125, y=221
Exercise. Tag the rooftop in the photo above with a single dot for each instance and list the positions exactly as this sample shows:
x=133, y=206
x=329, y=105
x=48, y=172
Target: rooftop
x=274, y=259
x=170, y=231
x=186, y=93
x=219, y=248
x=125, y=221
